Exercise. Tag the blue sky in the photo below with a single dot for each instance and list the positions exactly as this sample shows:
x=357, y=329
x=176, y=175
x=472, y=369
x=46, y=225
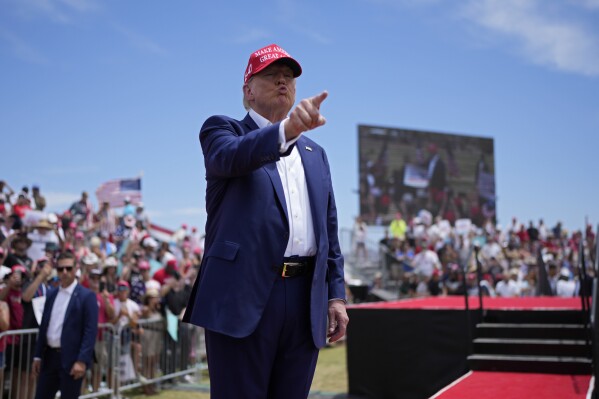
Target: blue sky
x=94, y=90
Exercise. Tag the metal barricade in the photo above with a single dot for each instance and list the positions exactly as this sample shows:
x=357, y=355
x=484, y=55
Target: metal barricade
x=124, y=358
x=155, y=351
x=100, y=379
x=17, y=381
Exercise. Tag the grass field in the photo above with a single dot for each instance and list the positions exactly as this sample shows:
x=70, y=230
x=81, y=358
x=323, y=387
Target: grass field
x=330, y=376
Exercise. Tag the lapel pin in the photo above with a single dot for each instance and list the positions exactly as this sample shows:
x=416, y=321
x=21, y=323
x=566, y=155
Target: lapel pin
x=308, y=148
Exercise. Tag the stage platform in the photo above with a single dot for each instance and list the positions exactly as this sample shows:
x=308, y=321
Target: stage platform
x=413, y=348
x=493, y=385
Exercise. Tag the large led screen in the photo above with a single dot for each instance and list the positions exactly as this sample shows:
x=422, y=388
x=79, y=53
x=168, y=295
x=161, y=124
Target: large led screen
x=409, y=171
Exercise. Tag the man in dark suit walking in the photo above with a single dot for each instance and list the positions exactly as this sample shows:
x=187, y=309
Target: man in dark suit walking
x=272, y=269
x=67, y=334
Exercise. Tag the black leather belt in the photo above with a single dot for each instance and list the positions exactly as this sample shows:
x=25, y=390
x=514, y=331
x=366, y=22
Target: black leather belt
x=295, y=266
x=53, y=349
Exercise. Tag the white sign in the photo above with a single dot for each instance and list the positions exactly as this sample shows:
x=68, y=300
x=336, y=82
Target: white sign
x=463, y=226
x=415, y=176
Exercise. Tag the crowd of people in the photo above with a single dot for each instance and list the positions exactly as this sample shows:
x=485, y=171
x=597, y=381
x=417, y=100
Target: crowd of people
x=133, y=275
x=424, y=256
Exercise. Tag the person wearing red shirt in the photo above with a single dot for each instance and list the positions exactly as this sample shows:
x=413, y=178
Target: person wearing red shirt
x=170, y=270
x=21, y=206
x=11, y=293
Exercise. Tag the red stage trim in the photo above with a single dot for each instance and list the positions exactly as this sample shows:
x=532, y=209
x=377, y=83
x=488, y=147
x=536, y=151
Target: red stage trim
x=496, y=385
x=457, y=303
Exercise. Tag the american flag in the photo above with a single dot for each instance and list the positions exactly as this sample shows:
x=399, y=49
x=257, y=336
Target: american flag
x=115, y=191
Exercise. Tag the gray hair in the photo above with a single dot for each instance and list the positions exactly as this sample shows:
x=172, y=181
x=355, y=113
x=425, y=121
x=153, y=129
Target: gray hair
x=246, y=103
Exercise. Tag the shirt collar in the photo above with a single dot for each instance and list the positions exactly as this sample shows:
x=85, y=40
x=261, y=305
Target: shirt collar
x=69, y=290
x=261, y=121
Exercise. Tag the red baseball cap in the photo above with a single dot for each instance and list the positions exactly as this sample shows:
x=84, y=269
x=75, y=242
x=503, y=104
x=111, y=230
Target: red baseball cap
x=18, y=268
x=123, y=283
x=262, y=58
x=172, y=264
x=143, y=265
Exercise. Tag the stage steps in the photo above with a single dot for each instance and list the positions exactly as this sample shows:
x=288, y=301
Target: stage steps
x=541, y=347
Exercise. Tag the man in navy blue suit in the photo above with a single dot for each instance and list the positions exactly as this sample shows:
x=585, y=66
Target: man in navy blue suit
x=67, y=334
x=272, y=271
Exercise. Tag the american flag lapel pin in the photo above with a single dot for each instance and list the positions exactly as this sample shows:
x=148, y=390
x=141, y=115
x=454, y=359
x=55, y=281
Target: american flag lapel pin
x=308, y=148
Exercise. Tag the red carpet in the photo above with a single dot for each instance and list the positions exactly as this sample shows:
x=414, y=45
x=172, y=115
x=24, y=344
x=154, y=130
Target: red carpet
x=495, y=385
x=457, y=302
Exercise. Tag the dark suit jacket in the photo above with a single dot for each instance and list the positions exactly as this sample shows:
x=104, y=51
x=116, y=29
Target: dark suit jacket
x=78, y=331
x=247, y=228
x=438, y=179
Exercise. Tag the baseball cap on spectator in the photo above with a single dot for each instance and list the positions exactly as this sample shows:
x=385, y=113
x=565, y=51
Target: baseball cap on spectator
x=149, y=242
x=167, y=256
x=95, y=272
x=90, y=259
x=16, y=268
x=140, y=205
x=143, y=265
x=52, y=218
x=152, y=293
x=152, y=284
x=79, y=235
x=265, y=56
x=110, y=262
x=95, y=241
x=172, y=264
x=122, y=284
x=127, y=199
x=51, y=247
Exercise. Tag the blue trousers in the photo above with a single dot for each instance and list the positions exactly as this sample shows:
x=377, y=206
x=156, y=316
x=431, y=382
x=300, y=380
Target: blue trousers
x=276, y=361
x=53, y=378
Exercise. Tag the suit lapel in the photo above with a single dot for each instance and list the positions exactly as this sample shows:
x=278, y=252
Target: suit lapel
x=74, y=298
x=48, y=306
x=275, y=178
x=270, y=168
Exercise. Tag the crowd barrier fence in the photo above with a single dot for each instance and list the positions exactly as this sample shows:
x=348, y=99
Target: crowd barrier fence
x=125, y=357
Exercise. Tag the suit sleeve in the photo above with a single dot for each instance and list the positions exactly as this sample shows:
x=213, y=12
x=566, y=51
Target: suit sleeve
x=229, y=152
x=335, y=258
x=90, y=329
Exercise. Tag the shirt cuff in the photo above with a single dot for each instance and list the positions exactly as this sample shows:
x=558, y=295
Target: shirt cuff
x=284, y=144
x=339, y=299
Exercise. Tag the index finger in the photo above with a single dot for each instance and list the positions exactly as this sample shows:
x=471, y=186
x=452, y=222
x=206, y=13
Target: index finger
x=319, y=98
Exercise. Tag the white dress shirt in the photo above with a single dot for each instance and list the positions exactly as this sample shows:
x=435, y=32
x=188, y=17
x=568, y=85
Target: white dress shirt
x=302, y=241
x=59, y=310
